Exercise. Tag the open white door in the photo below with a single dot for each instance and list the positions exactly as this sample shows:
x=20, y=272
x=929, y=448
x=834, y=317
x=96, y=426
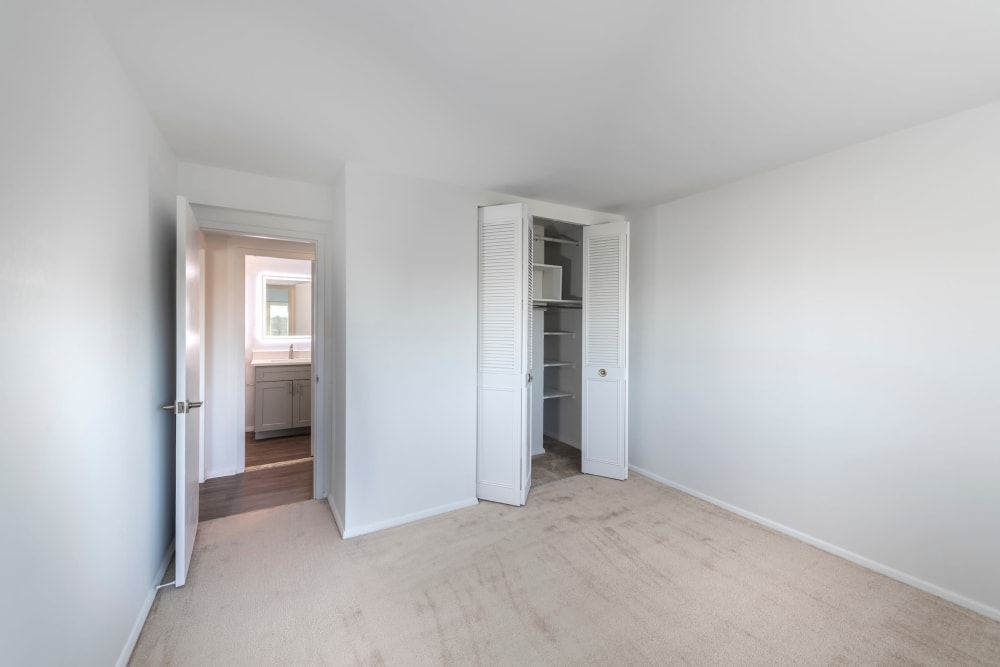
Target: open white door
x=529, y=357
x=502, y=441
x=189, y=366
x=605, y=350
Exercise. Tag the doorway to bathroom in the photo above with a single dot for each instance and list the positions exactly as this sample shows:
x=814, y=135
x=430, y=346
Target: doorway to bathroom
x=259, y=441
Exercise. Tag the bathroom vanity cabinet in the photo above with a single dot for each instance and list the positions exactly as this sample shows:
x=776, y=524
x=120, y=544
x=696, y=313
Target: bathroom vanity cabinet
x=283, y=399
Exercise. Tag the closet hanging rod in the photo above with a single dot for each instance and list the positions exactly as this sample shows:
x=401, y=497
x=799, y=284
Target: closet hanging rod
x=557, y=303
x=557, y=239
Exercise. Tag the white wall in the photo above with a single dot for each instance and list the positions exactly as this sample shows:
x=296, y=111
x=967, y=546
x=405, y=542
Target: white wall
x=409, y=362
x=411, y=348
x=238, y=190
x=87, y=210
x=818, y=346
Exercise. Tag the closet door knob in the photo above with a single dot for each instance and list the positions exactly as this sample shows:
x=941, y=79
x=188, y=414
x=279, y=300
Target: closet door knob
x=602, y=373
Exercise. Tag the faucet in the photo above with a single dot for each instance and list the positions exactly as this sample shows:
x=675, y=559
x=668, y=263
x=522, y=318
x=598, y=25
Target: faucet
x=291, y=350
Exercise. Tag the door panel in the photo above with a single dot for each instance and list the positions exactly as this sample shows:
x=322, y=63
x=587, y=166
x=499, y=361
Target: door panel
x=605, y=350
x=189, y=364
x=502, y=429
x=497, y=463
x=603, y=425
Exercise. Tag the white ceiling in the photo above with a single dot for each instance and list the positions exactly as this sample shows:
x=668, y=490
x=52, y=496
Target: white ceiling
x=601, y=104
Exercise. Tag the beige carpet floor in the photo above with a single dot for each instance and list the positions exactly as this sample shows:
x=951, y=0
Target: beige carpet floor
x=558, y=462
x=591, y=571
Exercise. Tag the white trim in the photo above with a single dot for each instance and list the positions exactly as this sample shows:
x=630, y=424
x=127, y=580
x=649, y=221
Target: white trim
x=406, y=518
x=140, y=620
x=875, y=566
x=336, y=515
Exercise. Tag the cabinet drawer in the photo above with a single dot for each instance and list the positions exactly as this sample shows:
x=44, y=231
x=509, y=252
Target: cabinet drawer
x=280, y=373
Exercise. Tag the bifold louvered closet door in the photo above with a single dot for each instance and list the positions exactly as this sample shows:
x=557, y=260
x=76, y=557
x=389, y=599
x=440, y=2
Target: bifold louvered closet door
x=605, y=350
x=504, y=315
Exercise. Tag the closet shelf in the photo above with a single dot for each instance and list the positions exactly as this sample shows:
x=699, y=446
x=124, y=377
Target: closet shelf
x=558, y=303
x=557, y=239
x=555, y=362
x=548, y=393
x=546, y=267
x=560, y=333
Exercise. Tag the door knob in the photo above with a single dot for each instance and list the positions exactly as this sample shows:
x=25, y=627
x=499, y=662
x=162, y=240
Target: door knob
x=182, y=407
x=602, y=373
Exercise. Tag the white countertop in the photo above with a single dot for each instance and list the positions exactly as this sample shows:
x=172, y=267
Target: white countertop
x=298, y=361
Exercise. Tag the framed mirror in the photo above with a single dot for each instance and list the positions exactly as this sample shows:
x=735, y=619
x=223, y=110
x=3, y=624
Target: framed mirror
x=287, y=307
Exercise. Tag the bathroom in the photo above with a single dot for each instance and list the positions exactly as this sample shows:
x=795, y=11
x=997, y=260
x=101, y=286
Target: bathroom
x=258, y=448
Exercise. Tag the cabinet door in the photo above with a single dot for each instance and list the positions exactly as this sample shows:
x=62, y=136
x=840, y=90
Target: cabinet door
x=273, y=405
x=301, y=403
x=605, y=350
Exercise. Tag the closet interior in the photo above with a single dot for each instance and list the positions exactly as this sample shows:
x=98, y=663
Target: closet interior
x=557, y=276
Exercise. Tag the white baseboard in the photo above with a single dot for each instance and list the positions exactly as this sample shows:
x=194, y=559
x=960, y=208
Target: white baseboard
x=336, y=515
x=140, y=620
x=408, y=518
x=875, y=566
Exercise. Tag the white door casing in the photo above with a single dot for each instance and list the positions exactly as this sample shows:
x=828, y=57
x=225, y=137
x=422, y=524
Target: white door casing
x=605, y=350
x=187, y=404
x=502, y=396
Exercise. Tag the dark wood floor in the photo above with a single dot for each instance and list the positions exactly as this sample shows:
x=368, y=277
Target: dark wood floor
x=259, y=489
x=262, y=452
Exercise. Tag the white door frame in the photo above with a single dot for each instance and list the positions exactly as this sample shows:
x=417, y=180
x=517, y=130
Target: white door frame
x=319, y=233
